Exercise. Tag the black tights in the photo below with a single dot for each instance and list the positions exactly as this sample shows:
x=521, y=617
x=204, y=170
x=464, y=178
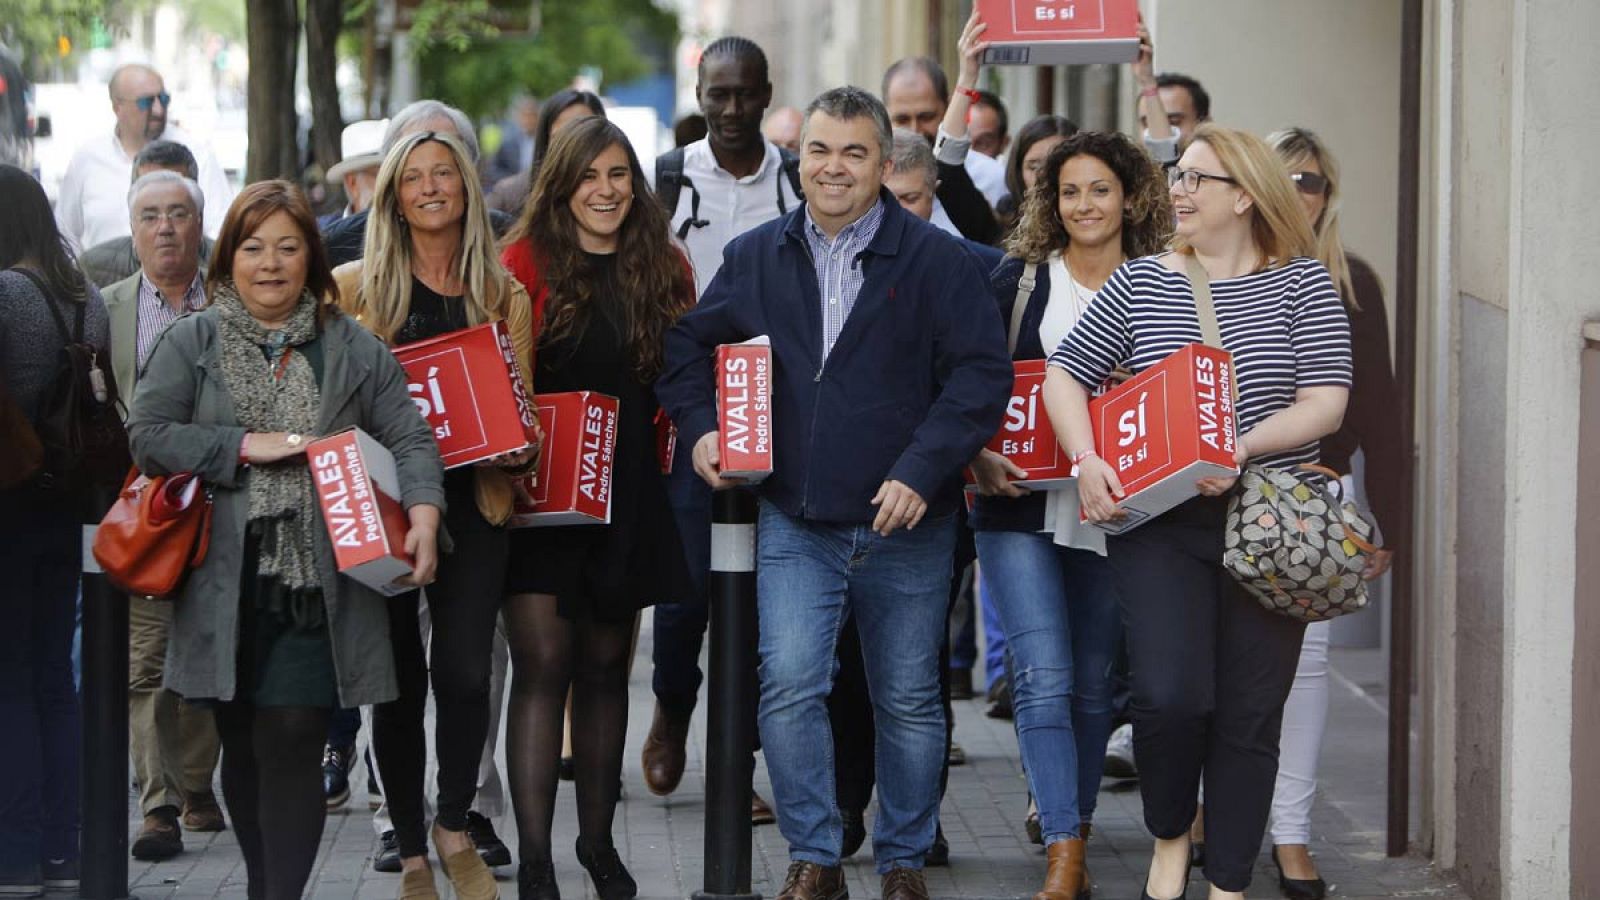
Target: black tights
x=549, y=654
x=272, y=780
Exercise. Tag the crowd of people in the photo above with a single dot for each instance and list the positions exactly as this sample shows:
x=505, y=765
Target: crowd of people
x=900, y=251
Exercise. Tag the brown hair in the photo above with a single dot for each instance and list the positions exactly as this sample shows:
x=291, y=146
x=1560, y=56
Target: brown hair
x=656, y=283
x=1146, y=222
x=256, y=204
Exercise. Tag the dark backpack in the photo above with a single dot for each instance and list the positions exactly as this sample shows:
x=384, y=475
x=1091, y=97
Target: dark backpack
x=80, y=418
x=670, y=182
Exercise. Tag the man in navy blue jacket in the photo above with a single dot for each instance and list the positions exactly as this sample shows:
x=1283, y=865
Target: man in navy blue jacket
x=890, y=372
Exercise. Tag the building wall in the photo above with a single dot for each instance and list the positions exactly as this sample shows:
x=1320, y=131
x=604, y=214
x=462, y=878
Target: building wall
x=1330, y=67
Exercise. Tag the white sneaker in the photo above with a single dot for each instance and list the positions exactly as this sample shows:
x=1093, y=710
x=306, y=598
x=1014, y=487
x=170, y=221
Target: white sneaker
x=1119, y=754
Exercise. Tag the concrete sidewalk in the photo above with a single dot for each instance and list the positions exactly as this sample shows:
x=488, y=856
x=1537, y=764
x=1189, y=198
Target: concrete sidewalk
x=660, y=838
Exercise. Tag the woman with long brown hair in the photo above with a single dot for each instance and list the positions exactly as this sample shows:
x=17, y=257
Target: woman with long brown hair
x=1098, y=201
x=266, y=629
x=594, y=251
x=429, y=268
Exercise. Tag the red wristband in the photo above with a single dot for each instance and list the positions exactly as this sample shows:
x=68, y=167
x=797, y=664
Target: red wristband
x=1152, y=91
x=971, y=94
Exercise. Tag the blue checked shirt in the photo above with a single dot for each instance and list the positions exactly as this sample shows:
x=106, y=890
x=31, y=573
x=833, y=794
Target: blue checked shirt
x=838, y=265
x=155, y=315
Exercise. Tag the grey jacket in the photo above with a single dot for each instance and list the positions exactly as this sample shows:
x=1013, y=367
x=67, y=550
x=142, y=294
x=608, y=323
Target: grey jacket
x=183, y=420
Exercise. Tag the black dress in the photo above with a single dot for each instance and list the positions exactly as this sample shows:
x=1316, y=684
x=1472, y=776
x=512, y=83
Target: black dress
x=608, y=572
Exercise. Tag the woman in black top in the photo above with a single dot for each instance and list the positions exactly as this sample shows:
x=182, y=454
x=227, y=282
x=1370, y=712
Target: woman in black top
x=41, y=552
x=1210, y=667
x=593, y=249
x=429, y=268
x=1371, y=425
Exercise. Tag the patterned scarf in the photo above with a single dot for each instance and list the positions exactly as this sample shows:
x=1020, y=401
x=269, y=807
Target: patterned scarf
x=268, y=396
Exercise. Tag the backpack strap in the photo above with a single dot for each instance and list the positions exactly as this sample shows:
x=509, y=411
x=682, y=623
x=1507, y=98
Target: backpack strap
x=669, y=179
x=73, y=337
x=1019, y=303
x=791, y=173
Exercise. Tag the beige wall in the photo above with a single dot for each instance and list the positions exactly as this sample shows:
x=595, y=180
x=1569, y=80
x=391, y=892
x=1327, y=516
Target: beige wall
x=1333, y=67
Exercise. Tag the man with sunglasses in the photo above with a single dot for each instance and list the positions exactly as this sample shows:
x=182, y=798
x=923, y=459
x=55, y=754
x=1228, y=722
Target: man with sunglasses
x=91, y=207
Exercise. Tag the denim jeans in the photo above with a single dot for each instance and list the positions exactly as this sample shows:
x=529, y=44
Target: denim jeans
x=41, y=555
x=680, y=628
x=994, y=633
x=809, y=575
x=1061, y=619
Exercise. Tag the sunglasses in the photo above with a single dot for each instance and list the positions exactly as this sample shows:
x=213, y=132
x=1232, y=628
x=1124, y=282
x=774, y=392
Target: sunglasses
x=1309, y=182
x=149, y=100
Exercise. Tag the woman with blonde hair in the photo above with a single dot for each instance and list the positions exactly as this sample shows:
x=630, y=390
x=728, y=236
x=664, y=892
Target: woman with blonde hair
x=1099, y=200
x=430, y=267
x=1210, y=667
x=1372, y=426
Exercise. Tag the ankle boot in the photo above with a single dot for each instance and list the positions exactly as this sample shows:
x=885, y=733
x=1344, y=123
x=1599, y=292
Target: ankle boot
x=1065, y=878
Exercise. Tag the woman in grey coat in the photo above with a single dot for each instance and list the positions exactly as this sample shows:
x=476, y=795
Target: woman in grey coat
x=266, y=628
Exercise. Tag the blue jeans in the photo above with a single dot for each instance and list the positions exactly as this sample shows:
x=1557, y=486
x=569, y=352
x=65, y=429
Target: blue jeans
x=808, y=576
x=680, y=628
x=994, y=633
x=41, y=555
x=1059, y=609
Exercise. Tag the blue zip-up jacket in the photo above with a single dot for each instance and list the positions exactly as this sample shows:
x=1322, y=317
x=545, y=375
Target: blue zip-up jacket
x=916, y=384
x=1020, y=513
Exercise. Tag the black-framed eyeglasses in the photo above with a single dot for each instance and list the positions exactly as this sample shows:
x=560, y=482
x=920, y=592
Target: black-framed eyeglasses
x=148, y=100
x=1309, y=182
x=1192, y=178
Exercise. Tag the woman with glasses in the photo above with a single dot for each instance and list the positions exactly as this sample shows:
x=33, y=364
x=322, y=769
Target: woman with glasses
x=1099, y=201
x=429, y=267
x=1372, y=426
x=1210, y=667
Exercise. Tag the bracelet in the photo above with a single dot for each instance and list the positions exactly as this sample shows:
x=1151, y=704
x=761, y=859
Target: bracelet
x=1151, y=91
x=971, y=94
x=1082, y=455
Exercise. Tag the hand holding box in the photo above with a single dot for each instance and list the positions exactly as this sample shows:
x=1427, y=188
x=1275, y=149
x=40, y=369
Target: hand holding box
x=467, y=384
x=1026, y=437
x=576, y=462
x=1060, y=32
x=359, y=492
x=744, y=409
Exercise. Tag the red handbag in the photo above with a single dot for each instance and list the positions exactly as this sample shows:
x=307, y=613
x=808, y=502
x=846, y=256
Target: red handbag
x=155, y=534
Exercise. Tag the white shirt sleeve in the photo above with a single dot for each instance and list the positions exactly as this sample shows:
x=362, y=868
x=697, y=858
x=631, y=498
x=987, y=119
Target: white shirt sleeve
x=218, y=191
x=69, y=202
x=1163, y=150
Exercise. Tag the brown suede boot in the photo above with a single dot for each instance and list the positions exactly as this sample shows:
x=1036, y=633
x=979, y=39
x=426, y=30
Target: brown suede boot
x=1065, y=879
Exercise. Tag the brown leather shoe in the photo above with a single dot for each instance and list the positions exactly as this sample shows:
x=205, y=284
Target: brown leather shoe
x=813, y=881
x=1065, y=878
x=201, y=813
x=904, y=884
x=663, y=756
x=160, y=837
x=760, y=812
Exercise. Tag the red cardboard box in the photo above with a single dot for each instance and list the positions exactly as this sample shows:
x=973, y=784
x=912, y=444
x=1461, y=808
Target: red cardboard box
x=744, y=408
x=573, y=485
x=666, y=441
x=1166, y=428
x=1026, y=438
x=359, y=492
x=468, y=386
x=1060, y=32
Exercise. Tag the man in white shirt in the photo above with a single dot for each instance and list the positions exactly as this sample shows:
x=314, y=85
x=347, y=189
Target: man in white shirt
x=715, y=189
x=92, y=205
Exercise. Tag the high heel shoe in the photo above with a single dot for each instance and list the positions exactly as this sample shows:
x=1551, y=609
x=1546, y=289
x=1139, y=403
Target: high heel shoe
x=1299, y=888
x=537, y=881
x=612, y=880
x=1144, y=892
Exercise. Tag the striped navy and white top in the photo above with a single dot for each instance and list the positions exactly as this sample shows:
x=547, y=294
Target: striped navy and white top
x=1286, y=328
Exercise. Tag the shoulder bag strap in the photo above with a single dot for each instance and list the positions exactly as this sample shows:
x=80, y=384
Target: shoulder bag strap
x=1206, y=310
x=55, y=313
x=1019, y=303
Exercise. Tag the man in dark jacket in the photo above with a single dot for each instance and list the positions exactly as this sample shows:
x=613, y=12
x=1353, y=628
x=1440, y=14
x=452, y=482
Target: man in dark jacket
x=890, y=372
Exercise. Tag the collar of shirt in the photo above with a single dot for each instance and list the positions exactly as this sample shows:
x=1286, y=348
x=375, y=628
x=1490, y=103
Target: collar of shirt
x=855, y=236
x=194, y=297
x=699, y=159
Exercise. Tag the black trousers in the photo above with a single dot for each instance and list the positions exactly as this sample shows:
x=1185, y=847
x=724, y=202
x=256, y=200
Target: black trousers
x=1210, y=670
x=463, y=602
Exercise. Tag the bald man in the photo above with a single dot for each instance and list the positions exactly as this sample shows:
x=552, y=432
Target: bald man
x=92, y=206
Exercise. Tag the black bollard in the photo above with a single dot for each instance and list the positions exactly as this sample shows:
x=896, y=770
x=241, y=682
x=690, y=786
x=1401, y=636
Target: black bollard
x=104, y=866
x=731, y=697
